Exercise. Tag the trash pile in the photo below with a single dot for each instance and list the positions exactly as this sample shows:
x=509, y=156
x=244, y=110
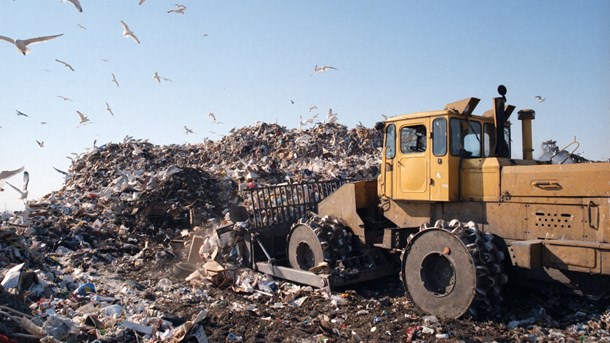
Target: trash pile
x=128, y=251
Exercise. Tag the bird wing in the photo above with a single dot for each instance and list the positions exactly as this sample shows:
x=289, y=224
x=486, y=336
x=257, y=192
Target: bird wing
x=61, y=171
x=10, y=40
x=26, y=180
x=82, y=116
x=77, y=5
x=40, y=39
x=15, y=188
x=5, y=174
x=125, y=27
x=132, y=35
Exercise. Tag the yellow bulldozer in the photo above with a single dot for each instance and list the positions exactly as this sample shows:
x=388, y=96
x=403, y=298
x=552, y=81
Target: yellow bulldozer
x=451, y=211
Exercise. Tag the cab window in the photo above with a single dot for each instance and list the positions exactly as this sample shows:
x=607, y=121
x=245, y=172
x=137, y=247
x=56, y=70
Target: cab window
x=465, y=138
x=413, y=139
x=390, y=141
x=439, y=137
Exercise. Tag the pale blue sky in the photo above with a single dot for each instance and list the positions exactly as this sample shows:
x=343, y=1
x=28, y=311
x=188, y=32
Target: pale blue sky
x=393, y=57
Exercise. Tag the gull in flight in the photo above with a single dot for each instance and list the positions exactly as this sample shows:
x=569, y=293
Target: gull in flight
x=76, y=4
x=22, y=44
x=104, y=60
x=159, y=77
x=65, y=98
x=179, y=9
x=109, y=109
x=332, y=117
x=539, y=98
x=5, y=174
x=314, y=107
x=40, y=143
x=187, y=130
x=211, y=115
x=64, y=63
x=19, y=113
x=81, y=26
x=384, y=116
x=128, y=33
x=141, y=2
x=114, y=80
x=322, y=69
x=83, y=118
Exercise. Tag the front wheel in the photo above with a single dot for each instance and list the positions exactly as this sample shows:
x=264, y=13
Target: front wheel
x=451, y=272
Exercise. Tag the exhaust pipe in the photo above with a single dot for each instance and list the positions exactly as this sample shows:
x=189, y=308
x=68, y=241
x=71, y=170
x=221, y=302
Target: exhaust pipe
x=526, y=116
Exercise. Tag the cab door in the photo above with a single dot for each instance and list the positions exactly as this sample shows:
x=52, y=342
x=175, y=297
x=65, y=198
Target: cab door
x=440, y=172
x=385, y=184
x=413, y=161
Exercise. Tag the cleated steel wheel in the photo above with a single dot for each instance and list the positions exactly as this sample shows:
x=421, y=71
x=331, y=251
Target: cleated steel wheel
x=452, y=271
x=317, y=240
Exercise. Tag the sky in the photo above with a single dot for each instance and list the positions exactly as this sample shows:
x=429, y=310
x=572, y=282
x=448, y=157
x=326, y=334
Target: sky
x=248, y=61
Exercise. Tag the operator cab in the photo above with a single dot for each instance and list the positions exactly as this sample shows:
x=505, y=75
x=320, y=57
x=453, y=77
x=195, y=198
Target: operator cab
x=424, y=152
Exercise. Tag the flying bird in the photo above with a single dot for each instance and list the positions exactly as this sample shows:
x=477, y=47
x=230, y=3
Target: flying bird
x=83, y=118
x=314, y=107
x=40, y=143
x=114, y=80
x=104, y=60
x=109, y=109
x=322, y=69
x=64, y=63
x=128, y=33
x=539, y=98
x=81, y=26
x=5, y=174
x=187, y=130
x=76, y=4
x=22, y=44
x=64, y=98
x=211, y=115
x=19, y=113
x=26, y=180
x=384, y=116
x=331, y=117
x=141, y=2
x=159, y=77
x=179, y=9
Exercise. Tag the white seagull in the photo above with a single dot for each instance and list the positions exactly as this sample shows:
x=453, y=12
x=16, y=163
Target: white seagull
x=179, y=9
x=128, y=33
x=114, y=80
x=83, y=118
x=82, y=27
x=40, y=143
x=322, y=69
x=539, y=98
x=64, y=63
x=19, y=113
x=314, y=107
x=22, y=44
x=141, y=2
x=211, y=115
x=331, y=117
x=65, y=98
x=187, y=130
x=159, y=77
x=109, y=109
x=76, y=4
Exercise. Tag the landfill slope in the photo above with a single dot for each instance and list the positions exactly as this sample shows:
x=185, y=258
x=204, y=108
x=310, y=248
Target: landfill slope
x=99, y=255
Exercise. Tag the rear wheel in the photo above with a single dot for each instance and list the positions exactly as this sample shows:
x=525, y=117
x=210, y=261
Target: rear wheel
x=316, y=240
x=452, y=270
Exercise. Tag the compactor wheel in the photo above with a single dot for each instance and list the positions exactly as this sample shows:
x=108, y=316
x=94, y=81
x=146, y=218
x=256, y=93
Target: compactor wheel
x=451, y=271
x=317, y=240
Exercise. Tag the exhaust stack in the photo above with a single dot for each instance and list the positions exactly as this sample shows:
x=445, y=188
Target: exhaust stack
x=526, y=116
